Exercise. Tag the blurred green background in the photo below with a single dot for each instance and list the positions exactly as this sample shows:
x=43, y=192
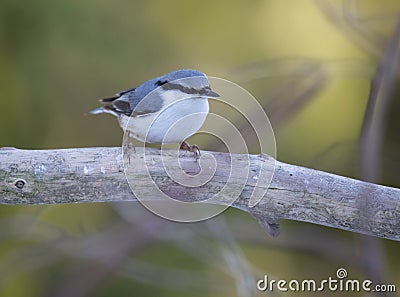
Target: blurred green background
x=309, y=63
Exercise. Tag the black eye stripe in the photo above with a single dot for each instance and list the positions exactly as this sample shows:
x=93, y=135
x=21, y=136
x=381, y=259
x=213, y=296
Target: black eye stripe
x=187, y=90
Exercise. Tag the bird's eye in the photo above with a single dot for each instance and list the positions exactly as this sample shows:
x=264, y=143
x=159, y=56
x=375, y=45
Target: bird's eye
x=160, y=82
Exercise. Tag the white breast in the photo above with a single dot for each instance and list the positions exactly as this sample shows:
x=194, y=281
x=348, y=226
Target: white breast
x=172, y=124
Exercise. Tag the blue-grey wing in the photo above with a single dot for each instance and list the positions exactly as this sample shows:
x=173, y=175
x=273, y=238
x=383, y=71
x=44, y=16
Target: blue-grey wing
x=119, y=104
x=131, y=103
x=144, y=99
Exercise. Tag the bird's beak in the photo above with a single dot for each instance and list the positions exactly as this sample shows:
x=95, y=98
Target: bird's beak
x=212, y=94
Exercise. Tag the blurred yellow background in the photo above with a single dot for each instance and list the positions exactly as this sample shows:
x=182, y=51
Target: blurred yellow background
x=308, y=62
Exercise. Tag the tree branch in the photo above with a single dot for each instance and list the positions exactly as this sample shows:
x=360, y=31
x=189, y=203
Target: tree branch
x=295, y=193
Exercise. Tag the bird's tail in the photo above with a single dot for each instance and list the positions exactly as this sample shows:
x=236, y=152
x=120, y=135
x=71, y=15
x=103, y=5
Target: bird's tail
x=109, y=99
x=103, y=109
x=97, y=110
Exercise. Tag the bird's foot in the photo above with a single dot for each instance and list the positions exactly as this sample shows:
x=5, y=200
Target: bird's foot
x=191, y=148
x=128, y=147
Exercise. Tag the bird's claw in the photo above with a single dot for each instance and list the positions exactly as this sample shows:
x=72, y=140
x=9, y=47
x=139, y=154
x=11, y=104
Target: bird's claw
x=191, y=148
x=128, y=147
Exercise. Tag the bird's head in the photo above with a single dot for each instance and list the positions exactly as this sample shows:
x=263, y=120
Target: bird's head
x=183, y=83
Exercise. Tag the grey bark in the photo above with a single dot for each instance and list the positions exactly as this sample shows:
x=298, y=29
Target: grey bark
x=296, y=193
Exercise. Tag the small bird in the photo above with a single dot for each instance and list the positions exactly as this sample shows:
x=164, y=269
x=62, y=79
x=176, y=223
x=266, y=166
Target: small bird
x=166, y=109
